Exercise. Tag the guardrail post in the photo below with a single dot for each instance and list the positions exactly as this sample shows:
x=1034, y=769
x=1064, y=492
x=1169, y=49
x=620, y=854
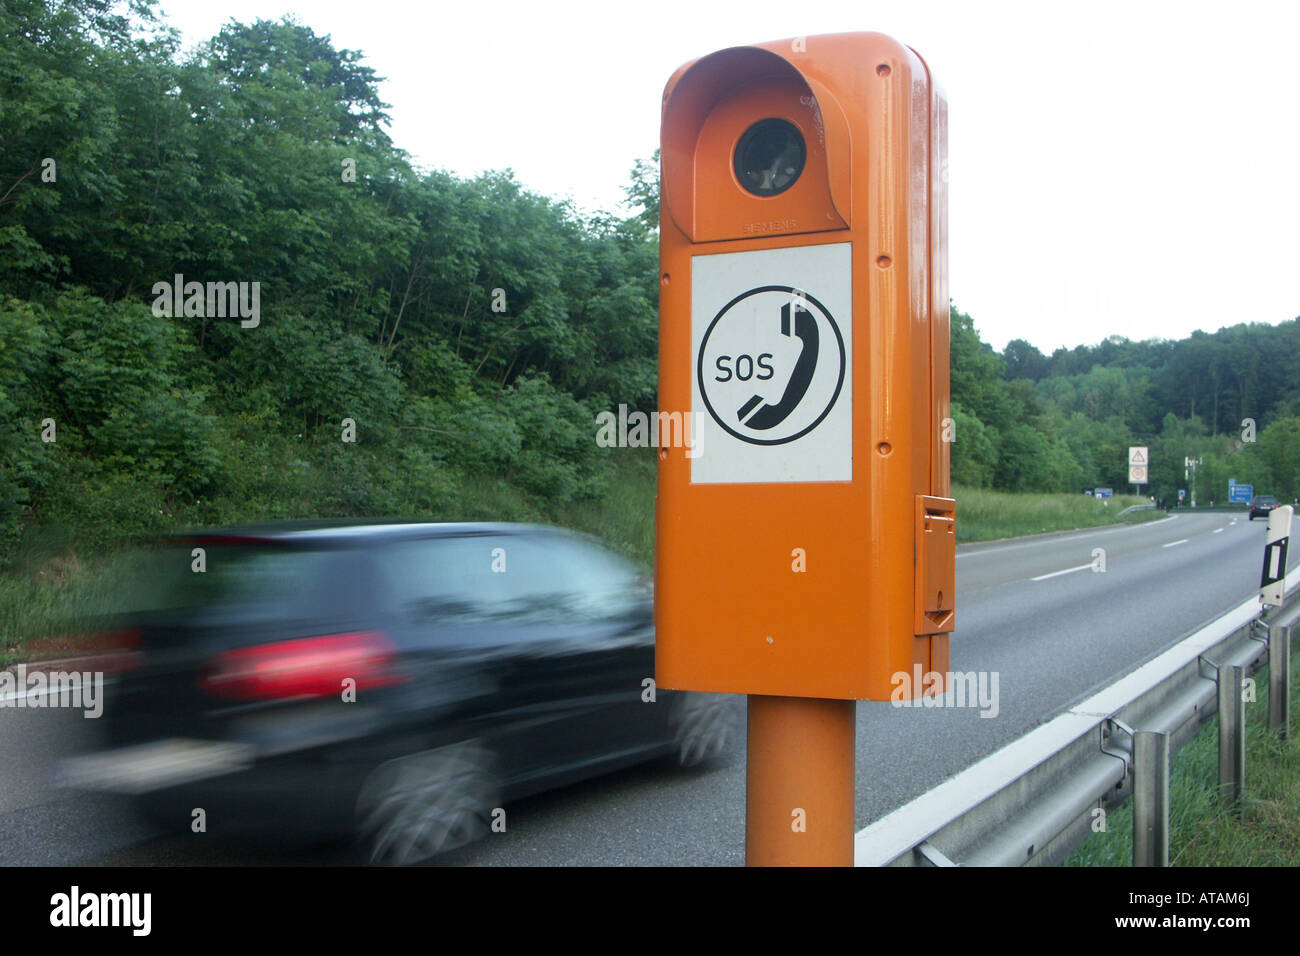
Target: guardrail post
x=1232, y=733
x=1279, y=680
x=1150, y=798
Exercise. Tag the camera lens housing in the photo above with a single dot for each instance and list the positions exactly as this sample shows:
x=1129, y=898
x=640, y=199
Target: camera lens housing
x=769, y=157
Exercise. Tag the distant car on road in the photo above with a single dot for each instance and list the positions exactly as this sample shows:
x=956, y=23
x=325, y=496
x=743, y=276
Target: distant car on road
x=1261, y=505
x=396, y=681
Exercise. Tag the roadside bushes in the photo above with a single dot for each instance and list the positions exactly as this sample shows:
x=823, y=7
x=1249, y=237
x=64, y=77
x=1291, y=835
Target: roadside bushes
x=532, y=434
x=24, y=467
x=148, y=431
x=88, y=389
x=115, y=377
x=314, y=375
x=558, y=458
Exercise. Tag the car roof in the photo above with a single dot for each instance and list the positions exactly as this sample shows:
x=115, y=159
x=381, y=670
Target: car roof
x=354, y=531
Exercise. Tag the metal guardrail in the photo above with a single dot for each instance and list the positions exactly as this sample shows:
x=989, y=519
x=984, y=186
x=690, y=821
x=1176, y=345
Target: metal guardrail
x=1035, y=800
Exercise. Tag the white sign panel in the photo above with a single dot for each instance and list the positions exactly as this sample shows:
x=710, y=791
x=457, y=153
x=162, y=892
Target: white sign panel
x=1138, y=462
x=771, y=333
x=1272, y=582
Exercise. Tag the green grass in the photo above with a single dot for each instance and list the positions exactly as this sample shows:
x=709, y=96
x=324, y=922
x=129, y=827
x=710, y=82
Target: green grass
x=625, y=516
x=41, y=600
x=1266, y=830
x=984, y=515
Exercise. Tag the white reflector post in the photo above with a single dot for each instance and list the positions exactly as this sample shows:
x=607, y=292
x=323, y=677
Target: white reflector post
x=1272, y=582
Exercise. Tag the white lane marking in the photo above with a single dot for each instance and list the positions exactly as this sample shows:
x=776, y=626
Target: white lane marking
x=1216, y=530
x=1057, y=574
x=1175, y=543
x=6, y=699
x=995, y=547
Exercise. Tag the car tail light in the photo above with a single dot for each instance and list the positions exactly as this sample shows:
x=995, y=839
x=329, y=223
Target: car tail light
x=305, y=667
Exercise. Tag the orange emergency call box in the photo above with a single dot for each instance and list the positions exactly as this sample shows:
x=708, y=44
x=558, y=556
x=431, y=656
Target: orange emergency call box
x=805, y=537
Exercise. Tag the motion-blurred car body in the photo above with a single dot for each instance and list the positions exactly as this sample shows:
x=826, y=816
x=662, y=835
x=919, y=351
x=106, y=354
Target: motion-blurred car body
x=397, y=681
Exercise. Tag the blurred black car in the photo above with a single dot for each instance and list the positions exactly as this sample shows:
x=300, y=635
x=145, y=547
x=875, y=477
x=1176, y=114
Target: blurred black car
x=395, y=681
x=1261, y=505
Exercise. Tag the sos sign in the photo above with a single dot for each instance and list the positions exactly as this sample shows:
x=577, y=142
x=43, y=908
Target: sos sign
x=774, y=409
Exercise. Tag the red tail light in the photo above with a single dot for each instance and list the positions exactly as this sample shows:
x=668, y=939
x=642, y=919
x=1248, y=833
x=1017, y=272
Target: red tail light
x=307, y=667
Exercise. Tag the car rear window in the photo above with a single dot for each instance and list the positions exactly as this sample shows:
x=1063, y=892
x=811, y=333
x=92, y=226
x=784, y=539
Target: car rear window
x=247, y=581
x=510, y=578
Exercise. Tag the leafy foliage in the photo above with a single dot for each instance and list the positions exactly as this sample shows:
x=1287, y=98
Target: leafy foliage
x=468, y=328
x=1230, y=400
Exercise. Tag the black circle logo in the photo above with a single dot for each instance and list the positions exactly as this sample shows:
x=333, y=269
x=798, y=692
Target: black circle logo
x=771, y=365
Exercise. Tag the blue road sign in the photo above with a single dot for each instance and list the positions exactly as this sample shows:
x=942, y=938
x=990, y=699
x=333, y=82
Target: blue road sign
x=1103, y=492
x=1241, y=493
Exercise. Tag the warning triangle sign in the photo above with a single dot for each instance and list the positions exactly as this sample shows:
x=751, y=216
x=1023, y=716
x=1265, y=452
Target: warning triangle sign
x=1138, y=458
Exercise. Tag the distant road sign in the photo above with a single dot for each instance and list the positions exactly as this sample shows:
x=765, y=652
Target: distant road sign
x=1138, y=461
x=1103, y=492
x=1182, y=493
x=1241, y=493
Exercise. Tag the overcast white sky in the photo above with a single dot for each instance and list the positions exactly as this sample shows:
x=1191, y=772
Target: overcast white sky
x=1115, y=168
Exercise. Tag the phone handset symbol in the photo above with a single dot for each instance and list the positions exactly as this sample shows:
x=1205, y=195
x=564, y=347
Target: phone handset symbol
x=769, y=416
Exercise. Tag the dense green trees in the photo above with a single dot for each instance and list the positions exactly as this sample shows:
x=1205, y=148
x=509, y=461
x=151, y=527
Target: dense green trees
x=469, y=330
x=1230, y=399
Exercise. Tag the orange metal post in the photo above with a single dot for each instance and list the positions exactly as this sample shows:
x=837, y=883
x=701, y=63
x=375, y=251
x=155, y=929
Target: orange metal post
x=799, y=782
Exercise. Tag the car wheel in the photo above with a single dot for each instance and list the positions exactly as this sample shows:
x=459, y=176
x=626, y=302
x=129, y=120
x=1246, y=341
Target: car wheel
x=412, y=808
x=699, y=725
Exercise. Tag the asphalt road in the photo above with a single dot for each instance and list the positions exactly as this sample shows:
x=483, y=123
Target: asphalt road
x=1032, y=611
